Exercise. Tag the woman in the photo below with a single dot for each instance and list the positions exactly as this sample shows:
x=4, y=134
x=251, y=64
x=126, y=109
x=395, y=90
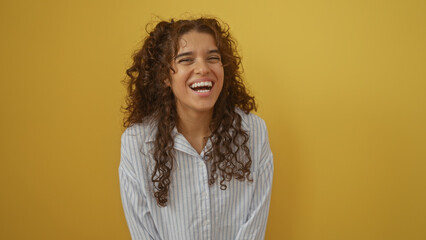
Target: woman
x=195, y=163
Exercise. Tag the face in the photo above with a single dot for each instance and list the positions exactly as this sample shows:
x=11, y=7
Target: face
x=198, y=77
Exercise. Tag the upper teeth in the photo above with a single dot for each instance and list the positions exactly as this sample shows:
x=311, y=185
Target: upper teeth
x=201, y=84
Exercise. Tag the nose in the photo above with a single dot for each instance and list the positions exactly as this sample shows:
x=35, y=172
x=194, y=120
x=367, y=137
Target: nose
x=202, y=67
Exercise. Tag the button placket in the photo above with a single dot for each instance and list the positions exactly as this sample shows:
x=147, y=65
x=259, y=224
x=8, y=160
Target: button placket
x=204, y=198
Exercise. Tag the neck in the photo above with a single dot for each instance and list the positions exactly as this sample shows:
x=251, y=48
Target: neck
x=194, y=124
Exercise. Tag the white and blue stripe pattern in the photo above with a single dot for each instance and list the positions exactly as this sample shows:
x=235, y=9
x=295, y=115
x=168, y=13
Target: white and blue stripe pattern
x=194, y=209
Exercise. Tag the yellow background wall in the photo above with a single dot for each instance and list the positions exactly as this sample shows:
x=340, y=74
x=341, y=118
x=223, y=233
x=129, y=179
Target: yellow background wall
x=341, y=85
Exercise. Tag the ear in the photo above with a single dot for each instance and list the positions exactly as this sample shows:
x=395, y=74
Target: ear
x=167, y=82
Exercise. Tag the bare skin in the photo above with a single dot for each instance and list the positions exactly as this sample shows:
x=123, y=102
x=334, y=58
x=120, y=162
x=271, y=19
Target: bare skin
x=194, y=126
x=197, y=62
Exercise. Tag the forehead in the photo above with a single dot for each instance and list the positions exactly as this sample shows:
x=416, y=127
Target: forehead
x=194, y=40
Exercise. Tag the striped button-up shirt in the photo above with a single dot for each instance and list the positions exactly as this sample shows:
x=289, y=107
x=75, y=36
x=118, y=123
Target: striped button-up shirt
x=194, y=209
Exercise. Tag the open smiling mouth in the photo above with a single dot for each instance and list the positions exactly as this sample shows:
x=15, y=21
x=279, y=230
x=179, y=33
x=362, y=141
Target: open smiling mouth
x=202, y=87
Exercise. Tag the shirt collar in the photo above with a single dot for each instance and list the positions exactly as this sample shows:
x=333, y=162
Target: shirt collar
x=180, y=144
x=152, y=134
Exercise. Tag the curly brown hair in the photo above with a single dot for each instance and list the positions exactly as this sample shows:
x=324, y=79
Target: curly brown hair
x=149, y=97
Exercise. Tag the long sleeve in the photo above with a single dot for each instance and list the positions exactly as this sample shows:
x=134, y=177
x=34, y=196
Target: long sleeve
x=254, y=228
x=138, y=216
x=195, y=209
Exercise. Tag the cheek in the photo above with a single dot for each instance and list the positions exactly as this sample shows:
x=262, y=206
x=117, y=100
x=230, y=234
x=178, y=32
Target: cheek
x=219, y=72
x=178, y=79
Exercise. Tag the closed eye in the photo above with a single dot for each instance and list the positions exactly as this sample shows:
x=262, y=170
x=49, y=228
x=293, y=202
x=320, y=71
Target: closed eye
x=185, y=60
x=214, y=59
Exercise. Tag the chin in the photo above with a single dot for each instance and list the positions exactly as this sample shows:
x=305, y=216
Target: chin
x=205, y=109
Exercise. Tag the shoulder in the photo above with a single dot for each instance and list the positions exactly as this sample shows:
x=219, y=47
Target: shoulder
x=258, y=137
x=135, y=139
x=251, y=122
x=139, y=133
x=135, y=148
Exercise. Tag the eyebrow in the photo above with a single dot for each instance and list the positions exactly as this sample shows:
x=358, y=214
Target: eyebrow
x=190, y=53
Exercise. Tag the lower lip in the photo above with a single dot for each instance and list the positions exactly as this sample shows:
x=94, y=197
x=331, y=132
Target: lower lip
x=203, y=94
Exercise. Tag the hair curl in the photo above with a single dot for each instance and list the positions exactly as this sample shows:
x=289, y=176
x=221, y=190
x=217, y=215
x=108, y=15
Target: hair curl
x=149, y=97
